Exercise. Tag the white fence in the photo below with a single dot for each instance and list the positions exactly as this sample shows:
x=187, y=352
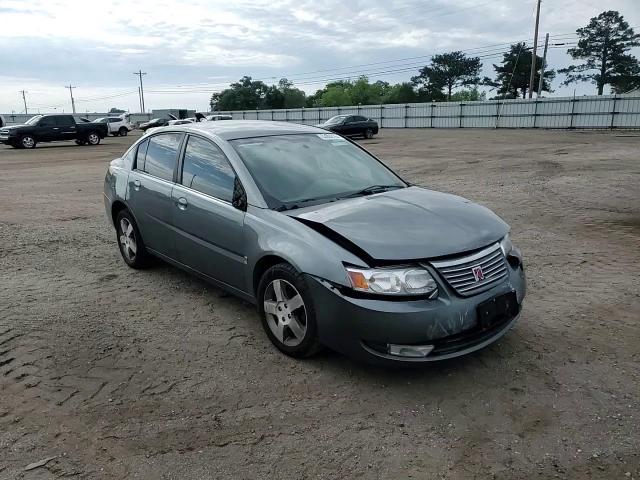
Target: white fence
x=606, y=111
x=610, y=111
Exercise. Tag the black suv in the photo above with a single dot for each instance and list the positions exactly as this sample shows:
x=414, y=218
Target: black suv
x=52, y=128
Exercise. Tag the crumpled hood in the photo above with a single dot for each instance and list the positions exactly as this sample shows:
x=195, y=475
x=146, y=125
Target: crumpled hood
x=409, y=223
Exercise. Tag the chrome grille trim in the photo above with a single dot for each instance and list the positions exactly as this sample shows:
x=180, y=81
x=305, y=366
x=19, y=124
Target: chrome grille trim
x=458, y=272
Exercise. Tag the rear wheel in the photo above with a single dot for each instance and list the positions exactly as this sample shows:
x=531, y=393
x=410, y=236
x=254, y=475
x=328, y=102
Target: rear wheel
x=368, y=133
x=123, y=131
x=287, y=313
x=28, y=141
x=130, y=242
x=93, y=138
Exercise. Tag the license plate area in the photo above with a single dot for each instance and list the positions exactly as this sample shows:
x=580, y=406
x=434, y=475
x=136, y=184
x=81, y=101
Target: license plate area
x=497, y=310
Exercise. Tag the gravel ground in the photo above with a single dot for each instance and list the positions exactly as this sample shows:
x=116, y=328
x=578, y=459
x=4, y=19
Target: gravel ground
x=154, y=374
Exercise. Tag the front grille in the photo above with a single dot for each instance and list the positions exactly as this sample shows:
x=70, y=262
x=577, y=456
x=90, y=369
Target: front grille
x=459, y=272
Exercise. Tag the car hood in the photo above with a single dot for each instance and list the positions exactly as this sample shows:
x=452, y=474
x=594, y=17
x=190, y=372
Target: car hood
x=406, y=224
x=13, y=127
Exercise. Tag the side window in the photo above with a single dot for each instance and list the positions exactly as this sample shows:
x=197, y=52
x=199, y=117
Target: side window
x=350, y=120
x=47, y=122
x=360, y=119
x=207, y=170
x=162, y=155
x=141, y=152
x=64, y=121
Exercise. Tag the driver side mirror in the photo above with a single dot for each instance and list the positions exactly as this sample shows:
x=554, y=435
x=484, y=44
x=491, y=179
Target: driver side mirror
x=239, y=199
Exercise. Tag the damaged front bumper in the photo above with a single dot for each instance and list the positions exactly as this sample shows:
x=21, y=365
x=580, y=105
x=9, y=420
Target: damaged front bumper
x=424, y=330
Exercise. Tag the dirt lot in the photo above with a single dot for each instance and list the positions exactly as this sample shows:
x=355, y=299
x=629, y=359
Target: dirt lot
x=153, y=374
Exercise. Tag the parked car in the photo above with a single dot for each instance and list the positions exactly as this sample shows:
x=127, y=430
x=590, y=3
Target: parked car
x=182, y=121
x=334, y=247
x=351, y=125
x=118, y=126
x=2, y=121
x=52, y=128
x=215, y=118
x=156, y=122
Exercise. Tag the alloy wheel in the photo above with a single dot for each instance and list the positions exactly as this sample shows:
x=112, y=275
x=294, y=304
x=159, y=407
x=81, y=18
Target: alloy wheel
x=286, y=313
x=28, y=142
x=93, y=139
x=127, y=237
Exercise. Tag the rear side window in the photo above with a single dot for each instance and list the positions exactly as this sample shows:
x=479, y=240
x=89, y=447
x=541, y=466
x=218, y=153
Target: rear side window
x=65, y=121
x=162, y=155
x=359, y=119
x=207, y=170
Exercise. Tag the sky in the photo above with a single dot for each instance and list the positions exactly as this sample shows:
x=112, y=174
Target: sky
x=190, y=49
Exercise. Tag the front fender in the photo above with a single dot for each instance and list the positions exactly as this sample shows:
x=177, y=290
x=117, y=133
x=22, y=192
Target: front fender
x=272, y=233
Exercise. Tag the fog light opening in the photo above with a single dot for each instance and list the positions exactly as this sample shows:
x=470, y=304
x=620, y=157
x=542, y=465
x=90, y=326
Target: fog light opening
x=411, y=351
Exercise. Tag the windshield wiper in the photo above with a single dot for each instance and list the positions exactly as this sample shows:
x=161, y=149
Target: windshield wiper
x=372, y=189
x=298, y=203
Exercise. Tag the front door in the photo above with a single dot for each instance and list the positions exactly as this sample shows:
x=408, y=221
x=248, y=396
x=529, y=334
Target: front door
x=47, y=129
x=149, y=191
x=209, y=229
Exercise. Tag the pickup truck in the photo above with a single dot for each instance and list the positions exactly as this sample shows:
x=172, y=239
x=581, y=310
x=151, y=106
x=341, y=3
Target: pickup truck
x=52, y=128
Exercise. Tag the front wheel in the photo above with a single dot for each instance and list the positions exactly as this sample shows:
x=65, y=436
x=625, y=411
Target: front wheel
x=123, y=131
x=93, y=138
x=28, y=142
x=287, y=313
x=368, y=133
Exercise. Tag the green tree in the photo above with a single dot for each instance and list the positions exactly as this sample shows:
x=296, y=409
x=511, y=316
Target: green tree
x=512, y=75
x=293, y=97
x=603, y=45
x=447, y=72
x=246, y=94
x=469, y=95
x=400, y=93
x=335, y=96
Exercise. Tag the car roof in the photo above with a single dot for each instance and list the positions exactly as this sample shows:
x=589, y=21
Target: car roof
x=234, y=129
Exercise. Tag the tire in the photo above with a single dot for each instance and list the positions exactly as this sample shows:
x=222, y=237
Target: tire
x=368, y=133
x=296, y=323
x=27, y=141
x=130, y=241
x=123, y=131
x=93, y=138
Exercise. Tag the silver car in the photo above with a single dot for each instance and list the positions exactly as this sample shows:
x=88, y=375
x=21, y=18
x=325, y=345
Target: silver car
x=332, y=246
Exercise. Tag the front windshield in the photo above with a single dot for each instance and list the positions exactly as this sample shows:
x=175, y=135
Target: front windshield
x=100, y=120
x=298, y=170
x=33, y=120
x=335, y=120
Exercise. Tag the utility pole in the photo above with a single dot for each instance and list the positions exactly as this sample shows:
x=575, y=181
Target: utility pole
x=544, y=64
x=73, y=103
x=24, y=99
x=139, y=100
x=533, y=56
x=140, y=74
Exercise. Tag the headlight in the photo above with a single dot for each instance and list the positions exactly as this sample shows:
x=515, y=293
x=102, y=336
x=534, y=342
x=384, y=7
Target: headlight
x=506, y=245
x=392, y=281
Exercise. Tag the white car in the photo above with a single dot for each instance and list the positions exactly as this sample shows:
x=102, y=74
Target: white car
x=215, y=118
x=118, y=126
x=182, y=121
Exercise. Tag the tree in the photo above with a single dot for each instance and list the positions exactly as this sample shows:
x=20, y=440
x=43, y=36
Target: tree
x=469, y=95
x=293, y=97
x=448, y=71
x=116, y=110
x=246, y=94
x=512, y=76
x=602, y=45
x=400, y=93
x=335, y=96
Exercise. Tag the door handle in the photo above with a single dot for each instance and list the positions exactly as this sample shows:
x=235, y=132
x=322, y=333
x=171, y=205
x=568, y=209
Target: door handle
x=136, y=184
x=56, y=128
x=182, y=203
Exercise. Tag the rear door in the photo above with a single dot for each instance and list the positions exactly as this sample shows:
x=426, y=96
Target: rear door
x=66, y=127
x=149, y=190
x=209, y=229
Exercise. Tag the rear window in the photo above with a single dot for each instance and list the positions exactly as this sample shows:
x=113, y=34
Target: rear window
x=162, y=155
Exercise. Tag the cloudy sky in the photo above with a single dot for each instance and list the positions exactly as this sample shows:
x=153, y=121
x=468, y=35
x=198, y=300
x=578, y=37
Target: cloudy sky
x=192, y=48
